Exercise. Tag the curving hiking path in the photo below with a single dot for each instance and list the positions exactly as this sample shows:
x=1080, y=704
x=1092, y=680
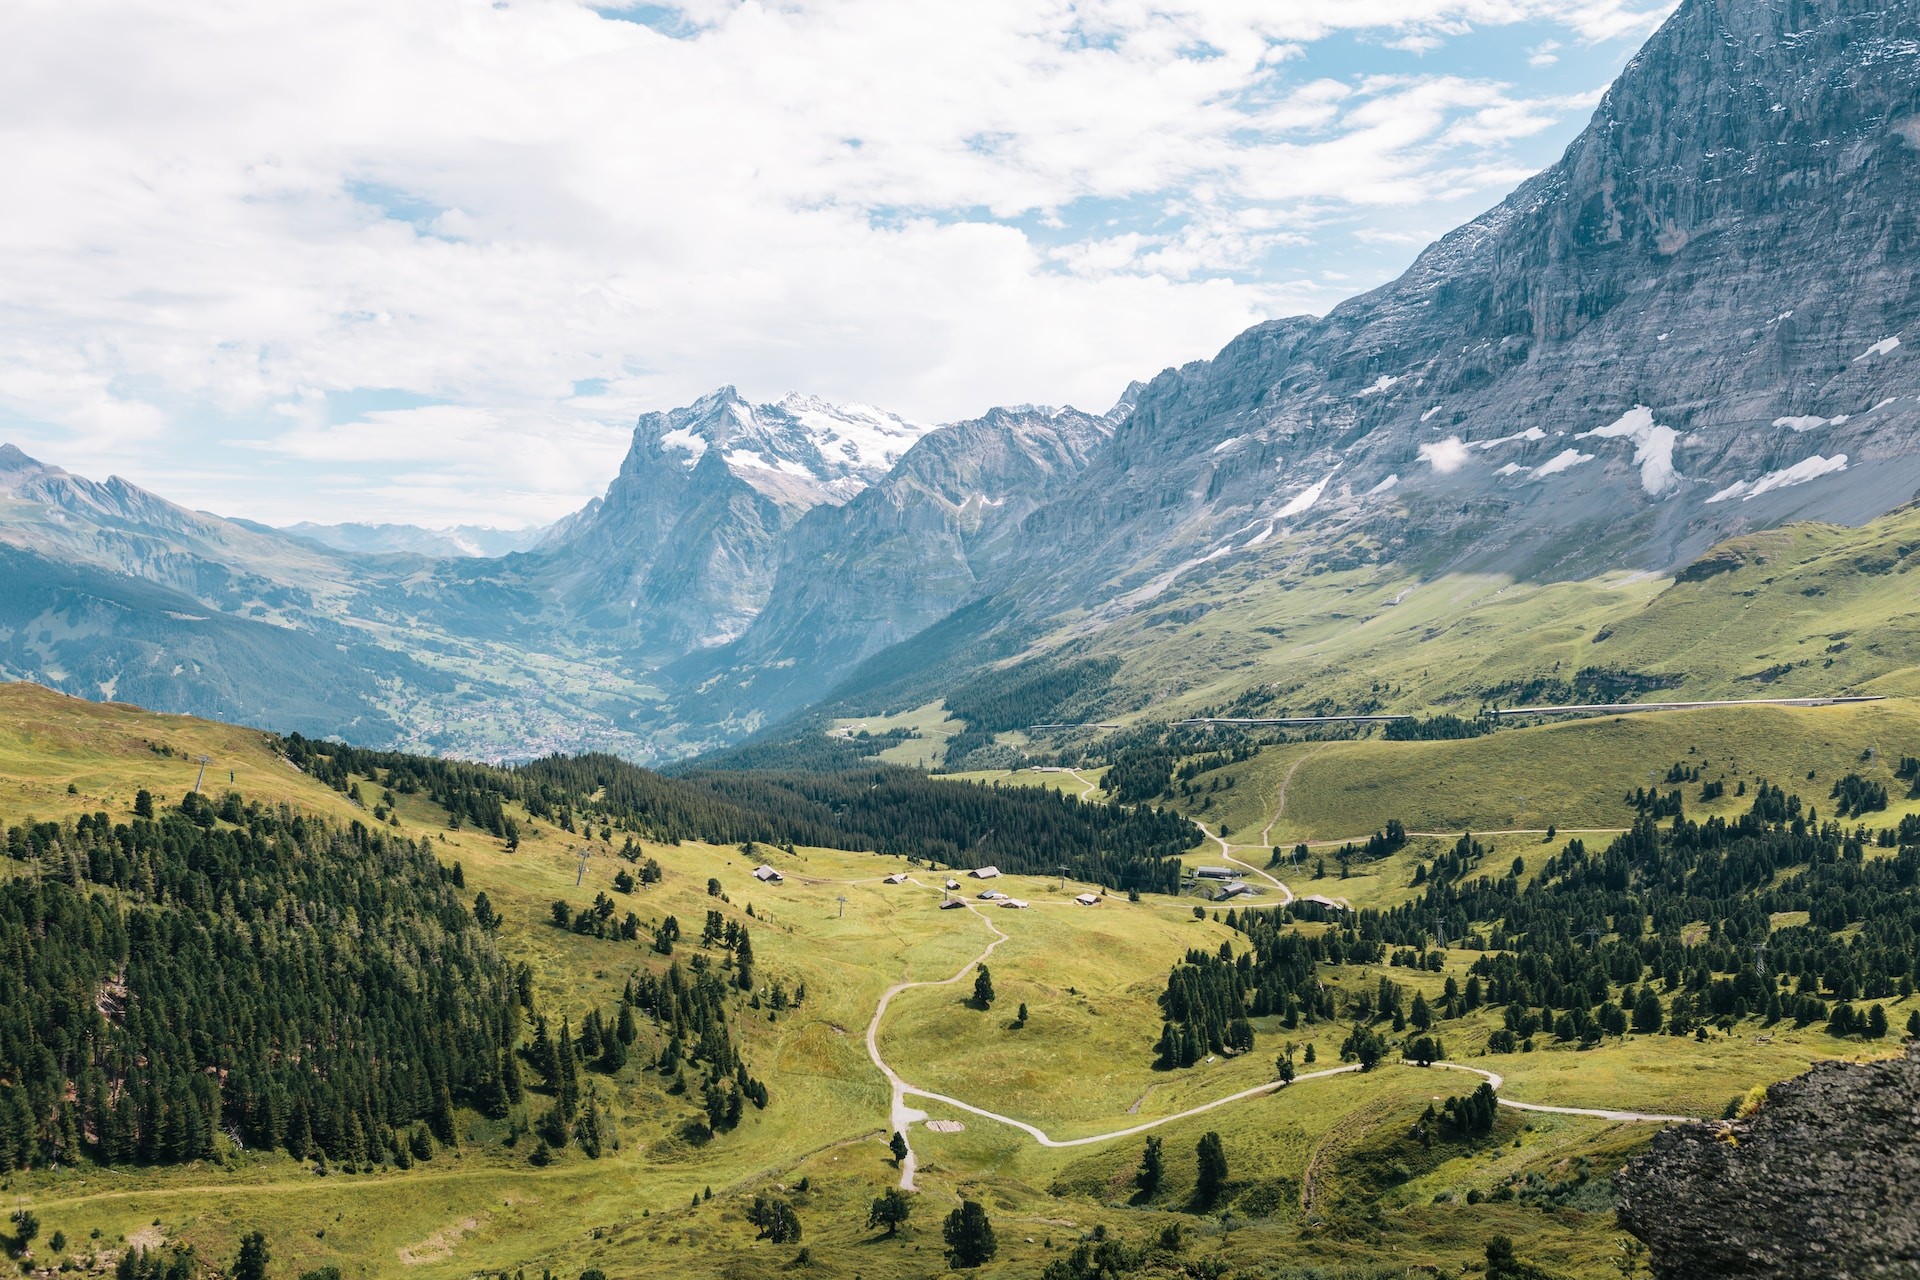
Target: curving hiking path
x=901, y=1116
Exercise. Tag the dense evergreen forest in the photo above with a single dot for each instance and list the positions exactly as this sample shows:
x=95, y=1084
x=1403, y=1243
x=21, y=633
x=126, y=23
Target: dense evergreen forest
x=884, y=808
x=1668, y=930
x=296, y=984
x=1021, y=696
x=231, y=973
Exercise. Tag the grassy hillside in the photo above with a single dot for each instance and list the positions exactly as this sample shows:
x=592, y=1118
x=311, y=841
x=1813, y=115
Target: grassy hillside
x=1804, y=610
x=1572, y=774
x=1322, y=1174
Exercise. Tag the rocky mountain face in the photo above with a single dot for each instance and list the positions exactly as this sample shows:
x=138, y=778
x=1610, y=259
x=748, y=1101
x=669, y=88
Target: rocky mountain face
x=681, y=552
x=924, y=540
x=1817, y=1182
x=1703, y=319
x=119, y=527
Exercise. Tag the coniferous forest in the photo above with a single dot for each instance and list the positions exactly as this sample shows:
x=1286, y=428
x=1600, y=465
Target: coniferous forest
x=300, y=985
x=884, y=808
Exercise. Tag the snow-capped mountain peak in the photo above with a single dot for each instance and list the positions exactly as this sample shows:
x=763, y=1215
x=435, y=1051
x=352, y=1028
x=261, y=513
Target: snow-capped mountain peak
x=801, y=450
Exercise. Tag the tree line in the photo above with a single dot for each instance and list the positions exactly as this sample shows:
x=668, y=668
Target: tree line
x=885, y=808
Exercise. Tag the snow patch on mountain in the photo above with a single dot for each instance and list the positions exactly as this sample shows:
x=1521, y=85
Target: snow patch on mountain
x=1799, y=473
x=1810, y=421
x=801, y=450
x=1304, y=499
x=1562, y=461
x=747, y=460
x=1653, y=446
x=1885, y=346
x=866, y=437
x=1531, y=433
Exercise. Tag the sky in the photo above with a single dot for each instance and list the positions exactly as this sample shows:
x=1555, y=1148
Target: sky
x=424, y=261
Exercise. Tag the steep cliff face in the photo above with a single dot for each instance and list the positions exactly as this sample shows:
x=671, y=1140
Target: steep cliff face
x=906, y=552
x=1704, y=318
x=681, y=553
x=1818, y=1182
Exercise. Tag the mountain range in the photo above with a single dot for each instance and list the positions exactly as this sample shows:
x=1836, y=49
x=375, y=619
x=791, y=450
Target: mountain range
x=1700, y=324
x=476, y=540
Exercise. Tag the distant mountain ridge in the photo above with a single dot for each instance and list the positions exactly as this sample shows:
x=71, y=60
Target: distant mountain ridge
x=478, y=541
x=905, y=553
x=1702, y=321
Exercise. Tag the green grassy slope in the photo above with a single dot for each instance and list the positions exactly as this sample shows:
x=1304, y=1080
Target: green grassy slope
x=1803, y=610
x=1572, y=774
x=1316, y=1174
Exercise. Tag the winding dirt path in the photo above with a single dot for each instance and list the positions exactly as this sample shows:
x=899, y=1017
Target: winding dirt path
x=1226, y=851
x=902, y=1116
x=1280, y=795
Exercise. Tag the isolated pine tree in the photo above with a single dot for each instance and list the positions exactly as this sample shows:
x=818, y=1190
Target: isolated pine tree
x=889, y=1209
x=1152, y=1170
x=1211, y=1177
x=969, y=1236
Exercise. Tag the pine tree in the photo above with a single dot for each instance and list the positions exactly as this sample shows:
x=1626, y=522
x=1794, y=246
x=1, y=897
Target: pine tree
x=982, y=988
x=1152, y=1170
x=776, y=1220
x=567, y=1087
x=890, y=1209
x=969, y=1237
x=898, y=1145
x=587, y=1132
x=251, y=1264
x=1211, y=1178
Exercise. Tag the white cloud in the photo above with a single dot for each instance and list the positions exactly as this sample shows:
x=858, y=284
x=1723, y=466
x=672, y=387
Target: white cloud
x=1447, y=456
x=221, y=214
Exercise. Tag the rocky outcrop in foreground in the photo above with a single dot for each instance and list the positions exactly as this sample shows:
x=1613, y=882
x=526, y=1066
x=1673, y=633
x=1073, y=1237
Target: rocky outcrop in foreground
x=1823, y=1180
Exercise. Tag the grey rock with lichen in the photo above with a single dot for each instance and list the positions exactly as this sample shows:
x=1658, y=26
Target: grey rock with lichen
x=1822, y=1180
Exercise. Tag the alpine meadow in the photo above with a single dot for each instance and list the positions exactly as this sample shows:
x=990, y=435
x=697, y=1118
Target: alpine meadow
x=1430, y=790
